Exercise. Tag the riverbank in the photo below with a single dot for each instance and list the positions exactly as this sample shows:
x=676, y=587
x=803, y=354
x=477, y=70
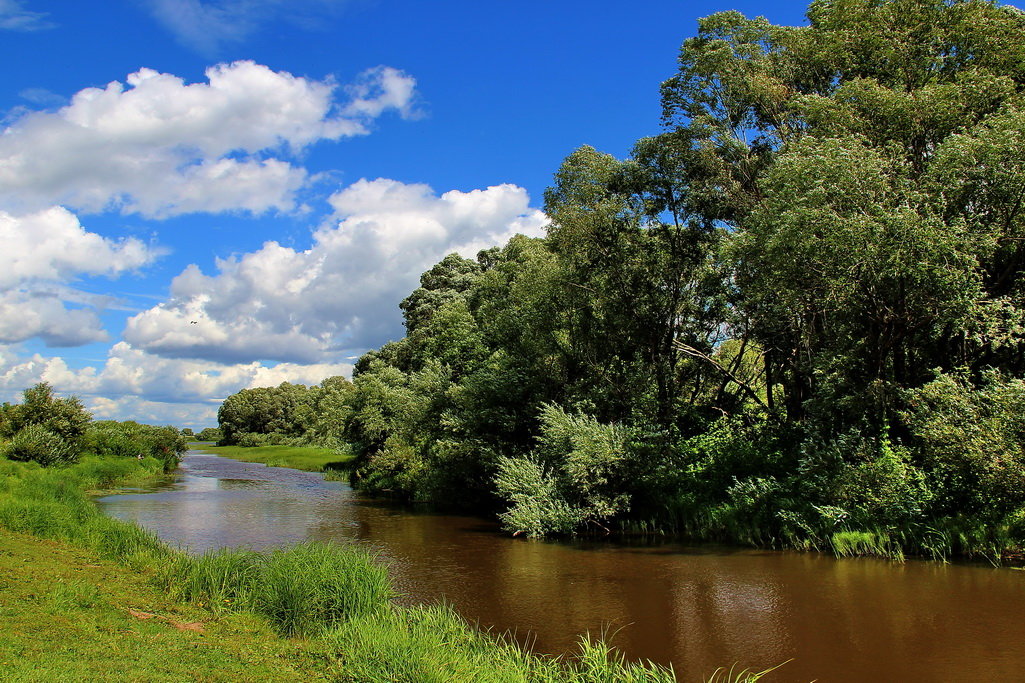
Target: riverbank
x=70, y=614
x=306, y=458
x=311, y=611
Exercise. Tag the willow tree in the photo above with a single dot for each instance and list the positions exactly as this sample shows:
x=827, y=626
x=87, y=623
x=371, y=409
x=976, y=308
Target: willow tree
x=870, y=166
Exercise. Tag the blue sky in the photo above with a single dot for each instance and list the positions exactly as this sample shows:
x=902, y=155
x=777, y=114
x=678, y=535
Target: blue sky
x=198, y=197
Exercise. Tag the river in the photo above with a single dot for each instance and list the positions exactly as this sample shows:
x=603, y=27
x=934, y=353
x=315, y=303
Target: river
x=695, y=607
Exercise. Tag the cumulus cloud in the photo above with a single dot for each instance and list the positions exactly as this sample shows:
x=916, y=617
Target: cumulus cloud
x=52, y=245
x=14, y=17
x=206, y=26
x=159, y=147
x=151, y=389
x=342, y=293
x=45, y=250
x=27, y=313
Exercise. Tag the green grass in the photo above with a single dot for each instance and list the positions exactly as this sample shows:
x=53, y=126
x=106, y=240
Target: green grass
x=433, y=644
x=858, y=543
x=307, y=458
x=65, y=614
x=301, y=590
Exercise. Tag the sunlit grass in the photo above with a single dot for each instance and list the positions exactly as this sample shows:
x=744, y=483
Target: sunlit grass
x=849, y=543
x=307, y=458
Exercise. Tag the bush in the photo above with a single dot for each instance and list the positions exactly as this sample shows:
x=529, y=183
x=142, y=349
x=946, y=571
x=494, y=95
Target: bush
x=133, y=440
x=65, y=417
x=210, y=434
x=537, y=507
x=251, y=440
x=578, y=475
x=884, y=489
x=110, y=439
x=971, y=442
x=37, y=443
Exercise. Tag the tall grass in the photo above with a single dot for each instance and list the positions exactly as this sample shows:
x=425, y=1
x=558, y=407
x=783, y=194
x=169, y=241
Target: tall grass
x=301, y=589
x=312, y=585
x=51, y=503
x=848, y=543
x=223, y=580
x=433, y=644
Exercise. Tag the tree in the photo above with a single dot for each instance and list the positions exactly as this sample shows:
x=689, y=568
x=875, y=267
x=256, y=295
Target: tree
x=857, y=159
x=65, y=417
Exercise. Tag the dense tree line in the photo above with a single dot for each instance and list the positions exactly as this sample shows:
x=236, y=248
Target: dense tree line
x=796, y=312
x=52, y=431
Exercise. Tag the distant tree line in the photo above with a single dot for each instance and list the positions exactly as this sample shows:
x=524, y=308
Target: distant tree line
x=796, y=313
x=52, y=431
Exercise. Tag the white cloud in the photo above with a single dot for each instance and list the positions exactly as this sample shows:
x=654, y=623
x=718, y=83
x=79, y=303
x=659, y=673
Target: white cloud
x=160, y=147
x=27, y=313
x=343, y=292
x=44, y=251
x=52, y=245
x=195, y=415
x=42, y=97
x=133, y=384
x=14, y=17
x=380, y=89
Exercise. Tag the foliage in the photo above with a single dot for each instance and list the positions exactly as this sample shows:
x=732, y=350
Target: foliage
x=209, y=434
x=43, y=428
x=796, y=312
x=37, y=443
x=576, y=477
x=65, y=417
x=133, y=440
x=971, y=440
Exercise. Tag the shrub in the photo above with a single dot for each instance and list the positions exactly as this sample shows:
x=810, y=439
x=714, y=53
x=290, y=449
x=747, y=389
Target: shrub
x=537, y=506
x=578, y=475
x=210, y=434
x=37, y=443
x=65, y=417
x=131, y=440
x=971, y=442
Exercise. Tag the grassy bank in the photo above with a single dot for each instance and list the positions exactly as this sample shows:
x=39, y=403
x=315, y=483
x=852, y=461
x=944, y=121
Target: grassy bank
x=84, y=586
x=305, y=458
x=70, y=614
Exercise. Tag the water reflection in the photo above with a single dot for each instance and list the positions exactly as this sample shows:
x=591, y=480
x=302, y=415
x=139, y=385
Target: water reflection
x=699, y=608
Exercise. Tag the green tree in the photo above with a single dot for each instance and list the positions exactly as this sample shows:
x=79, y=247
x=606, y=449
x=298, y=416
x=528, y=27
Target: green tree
x=65, y=417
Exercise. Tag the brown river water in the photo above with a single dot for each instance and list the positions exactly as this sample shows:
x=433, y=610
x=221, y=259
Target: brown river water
x=697, y=608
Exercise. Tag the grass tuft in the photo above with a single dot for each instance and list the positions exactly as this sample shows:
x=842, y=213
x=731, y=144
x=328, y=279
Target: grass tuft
x=314, y=585
x=861, y=543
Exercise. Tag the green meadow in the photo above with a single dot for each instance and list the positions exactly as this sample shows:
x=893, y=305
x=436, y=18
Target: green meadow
x=307, y=458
